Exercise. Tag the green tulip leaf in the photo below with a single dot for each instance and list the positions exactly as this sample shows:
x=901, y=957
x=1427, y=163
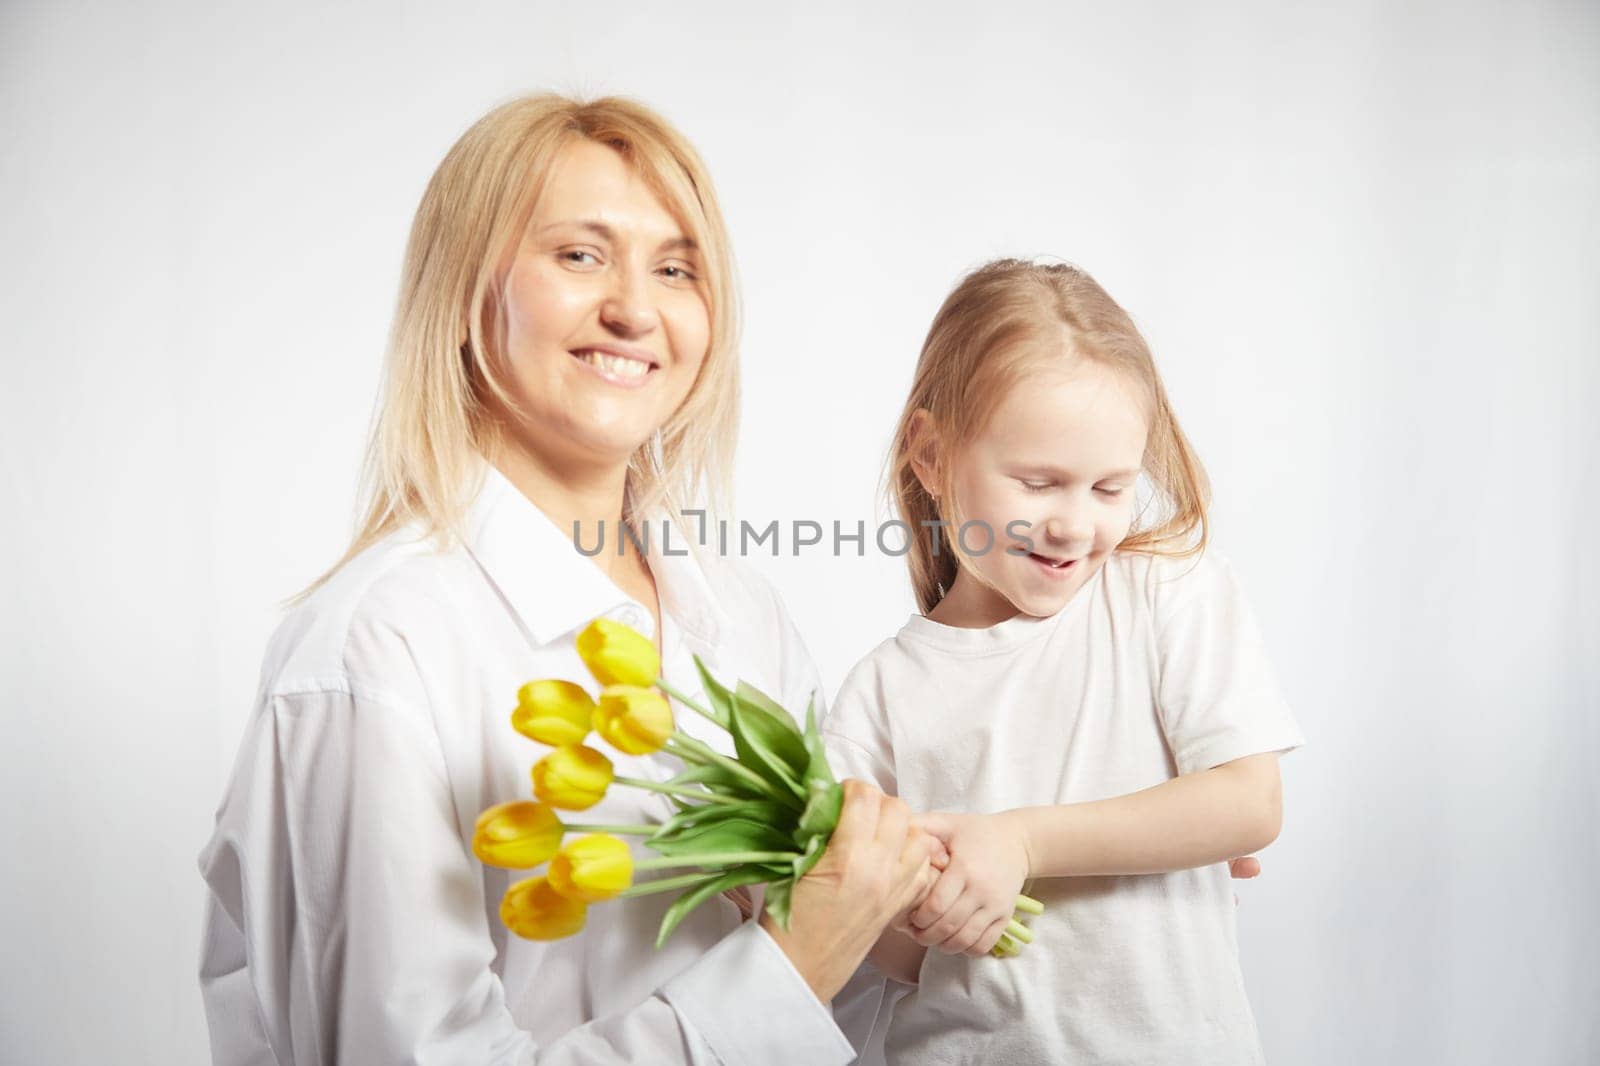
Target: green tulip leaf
x=817, y=768
x=821, y=815
x=780, y=895
x=739, y=875
x=713, y=776
x=721, y=699
x=814, y=849
x=769, y=745
x=723, y=835
x=773, y=814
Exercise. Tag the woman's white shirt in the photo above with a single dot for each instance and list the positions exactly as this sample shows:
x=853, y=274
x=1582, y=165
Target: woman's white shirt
x=348, y=920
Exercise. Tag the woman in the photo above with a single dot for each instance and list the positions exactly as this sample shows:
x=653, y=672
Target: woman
x=562, y=360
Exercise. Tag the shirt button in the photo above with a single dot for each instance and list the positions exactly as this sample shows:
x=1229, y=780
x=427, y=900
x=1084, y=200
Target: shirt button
x=632, y=616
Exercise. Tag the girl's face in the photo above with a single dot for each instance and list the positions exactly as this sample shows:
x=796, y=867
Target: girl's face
x=1057, y=463
x=606, y=321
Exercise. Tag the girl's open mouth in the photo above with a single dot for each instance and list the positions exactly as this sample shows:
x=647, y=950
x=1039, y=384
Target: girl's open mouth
x=1054, y=567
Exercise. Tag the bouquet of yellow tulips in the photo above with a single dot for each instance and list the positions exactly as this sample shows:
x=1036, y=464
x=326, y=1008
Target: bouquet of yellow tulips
x=764, y=817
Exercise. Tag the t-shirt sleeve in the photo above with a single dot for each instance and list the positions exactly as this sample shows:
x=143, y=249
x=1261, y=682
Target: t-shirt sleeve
x=856, y=732
x=1217, y=695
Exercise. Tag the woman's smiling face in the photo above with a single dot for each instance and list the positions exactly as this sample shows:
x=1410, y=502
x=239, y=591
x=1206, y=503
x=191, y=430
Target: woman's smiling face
x=607, y=324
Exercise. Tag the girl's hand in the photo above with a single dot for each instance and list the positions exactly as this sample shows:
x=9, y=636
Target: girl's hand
x=1244, y=868
x=877, y=864
x=976, y=895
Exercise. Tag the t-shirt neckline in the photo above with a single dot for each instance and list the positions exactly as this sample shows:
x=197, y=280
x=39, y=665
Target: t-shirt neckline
x=1014, y=632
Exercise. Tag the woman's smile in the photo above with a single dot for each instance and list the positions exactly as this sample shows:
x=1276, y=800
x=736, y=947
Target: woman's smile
x=625, y=366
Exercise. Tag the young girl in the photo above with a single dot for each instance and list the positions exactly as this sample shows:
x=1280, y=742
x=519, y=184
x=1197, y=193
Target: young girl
x=1084, y=678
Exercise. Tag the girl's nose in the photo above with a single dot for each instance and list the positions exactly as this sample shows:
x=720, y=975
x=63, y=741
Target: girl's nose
x=1069, y=528
x=627, y=309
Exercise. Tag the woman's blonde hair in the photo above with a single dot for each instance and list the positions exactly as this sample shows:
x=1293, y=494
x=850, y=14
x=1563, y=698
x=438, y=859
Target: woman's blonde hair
x=1004, y=319
x=445, y=366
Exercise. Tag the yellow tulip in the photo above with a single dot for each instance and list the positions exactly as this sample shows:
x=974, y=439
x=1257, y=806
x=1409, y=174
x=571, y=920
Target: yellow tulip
x=517, y=835
x=635, y=720
x=535, y=911
x=574, y=777
x=553, y=712
x=618, y=655
x=592, y=868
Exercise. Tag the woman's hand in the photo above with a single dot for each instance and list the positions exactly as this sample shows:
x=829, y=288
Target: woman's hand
x=876, y=866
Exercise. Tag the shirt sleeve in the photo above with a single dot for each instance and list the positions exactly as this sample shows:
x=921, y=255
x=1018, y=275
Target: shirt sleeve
x=1217, y=695
x=346, y=920
x=856, y=732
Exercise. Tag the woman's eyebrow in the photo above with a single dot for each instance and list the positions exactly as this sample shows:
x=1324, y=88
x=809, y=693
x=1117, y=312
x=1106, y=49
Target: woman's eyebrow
x=600, y=229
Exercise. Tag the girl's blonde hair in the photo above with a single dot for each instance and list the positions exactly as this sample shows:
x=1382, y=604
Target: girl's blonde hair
x=445, y=369
x=1003, y=319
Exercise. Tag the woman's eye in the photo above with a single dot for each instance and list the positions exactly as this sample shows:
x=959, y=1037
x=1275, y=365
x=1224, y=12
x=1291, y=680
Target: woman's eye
x=677, y=273
x=579, y=257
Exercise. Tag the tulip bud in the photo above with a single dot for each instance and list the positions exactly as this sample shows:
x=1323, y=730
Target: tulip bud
x=517, y=835
x=553, y=712
x=535, y=911
x=635, y=720
x=573, y=777
x=592, y=868
x=618, y=655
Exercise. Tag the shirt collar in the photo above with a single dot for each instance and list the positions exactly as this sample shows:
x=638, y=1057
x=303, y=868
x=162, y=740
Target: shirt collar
x=555, y=589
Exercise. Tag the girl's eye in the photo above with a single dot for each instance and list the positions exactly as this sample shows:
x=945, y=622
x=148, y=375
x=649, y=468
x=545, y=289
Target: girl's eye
x=1035, y=486
x=579, y=257
x=1109, y=493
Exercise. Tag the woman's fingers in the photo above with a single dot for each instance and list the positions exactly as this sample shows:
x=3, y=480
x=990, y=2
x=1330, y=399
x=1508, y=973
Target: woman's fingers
x=1245, y=867
x=858, y=818
x=894, y=820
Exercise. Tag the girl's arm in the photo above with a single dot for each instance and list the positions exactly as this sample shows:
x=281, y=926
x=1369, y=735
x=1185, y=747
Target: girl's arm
x=897, y=956
x=1192, y=820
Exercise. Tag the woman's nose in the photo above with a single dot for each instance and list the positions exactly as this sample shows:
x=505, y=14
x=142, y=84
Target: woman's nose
x=627, y=309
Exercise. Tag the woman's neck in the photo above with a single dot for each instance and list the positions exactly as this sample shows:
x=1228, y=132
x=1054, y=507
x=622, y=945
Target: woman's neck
x=581, y=500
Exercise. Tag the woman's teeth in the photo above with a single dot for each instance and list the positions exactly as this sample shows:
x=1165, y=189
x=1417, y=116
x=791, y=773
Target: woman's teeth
x=1054, y=564
x=618, y=365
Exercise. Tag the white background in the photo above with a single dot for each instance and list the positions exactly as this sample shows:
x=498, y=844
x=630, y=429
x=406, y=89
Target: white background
x=1364, y=244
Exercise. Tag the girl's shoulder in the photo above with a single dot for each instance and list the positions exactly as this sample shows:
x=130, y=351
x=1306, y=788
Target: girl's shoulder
x=1166, y=585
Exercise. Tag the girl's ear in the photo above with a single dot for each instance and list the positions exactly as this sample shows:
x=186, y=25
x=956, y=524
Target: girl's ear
x=922, y=450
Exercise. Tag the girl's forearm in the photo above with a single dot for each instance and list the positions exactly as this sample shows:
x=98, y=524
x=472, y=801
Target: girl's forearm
x=1193, y=820
x=898, y=956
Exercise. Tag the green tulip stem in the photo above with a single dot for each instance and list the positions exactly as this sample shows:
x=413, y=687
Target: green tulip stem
x=1017, y=931
x=1029, y=905
x=677, y=744
x=716, y=858
x=662, y=786
x=617, y=830
x=693, y=705
x=705, y=754
x=1006, y=947
x=667, y=884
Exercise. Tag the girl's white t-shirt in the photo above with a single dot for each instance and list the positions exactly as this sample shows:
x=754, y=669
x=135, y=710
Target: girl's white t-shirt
x=1155, y=668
